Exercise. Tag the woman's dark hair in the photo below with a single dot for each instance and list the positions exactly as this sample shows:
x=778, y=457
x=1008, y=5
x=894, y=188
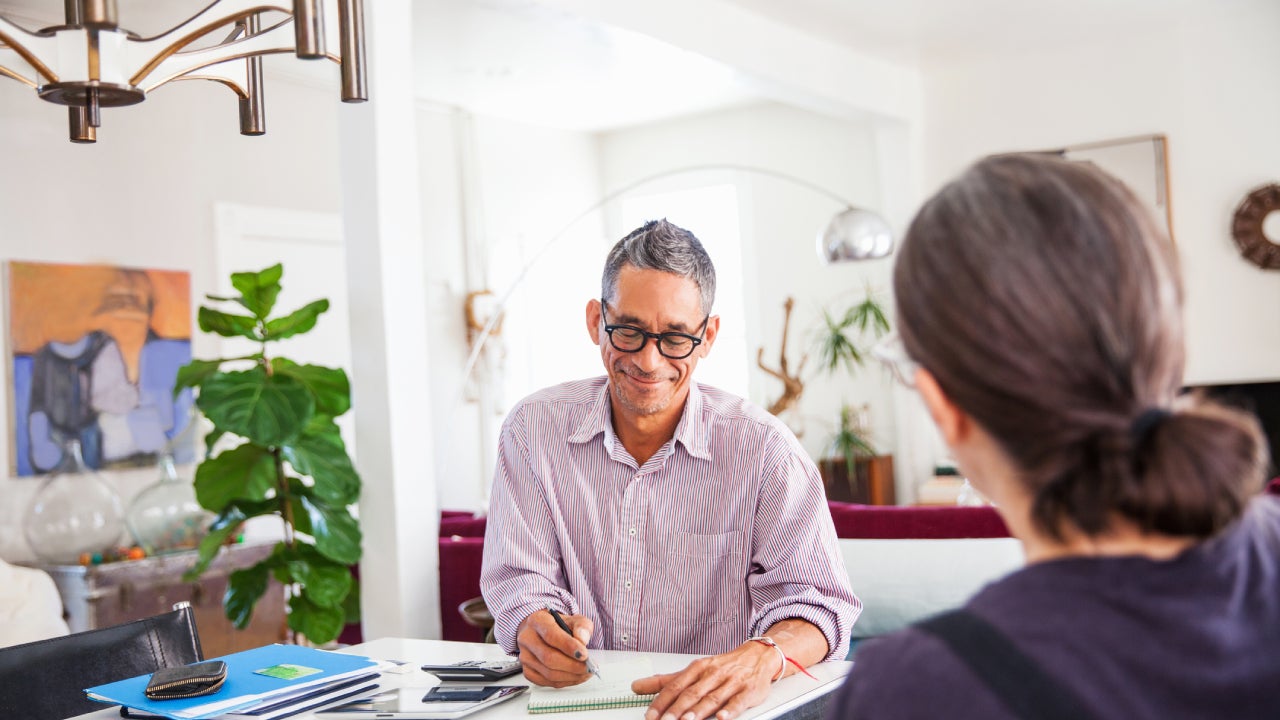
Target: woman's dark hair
x=1046, y=302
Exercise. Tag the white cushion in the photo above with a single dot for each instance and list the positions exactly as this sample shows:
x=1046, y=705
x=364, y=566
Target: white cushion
x=30, y=606
x=902, y=581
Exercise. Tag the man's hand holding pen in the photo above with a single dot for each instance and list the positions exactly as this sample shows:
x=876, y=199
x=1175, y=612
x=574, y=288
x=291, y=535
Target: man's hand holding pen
x=553, y=651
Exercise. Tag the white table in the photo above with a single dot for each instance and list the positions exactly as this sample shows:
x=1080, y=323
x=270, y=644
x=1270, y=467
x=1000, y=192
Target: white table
x=794, y=695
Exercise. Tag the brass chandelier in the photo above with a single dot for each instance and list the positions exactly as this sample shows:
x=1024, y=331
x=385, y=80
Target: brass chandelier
x=91, y=62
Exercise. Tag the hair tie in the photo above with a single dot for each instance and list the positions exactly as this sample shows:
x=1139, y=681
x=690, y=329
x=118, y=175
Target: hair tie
x=1146, y=423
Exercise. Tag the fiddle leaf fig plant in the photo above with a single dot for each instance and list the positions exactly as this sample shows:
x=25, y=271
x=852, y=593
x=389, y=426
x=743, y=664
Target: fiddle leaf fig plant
x=288, y=461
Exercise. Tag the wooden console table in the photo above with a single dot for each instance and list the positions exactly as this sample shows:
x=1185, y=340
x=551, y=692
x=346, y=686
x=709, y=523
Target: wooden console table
x=95, y=596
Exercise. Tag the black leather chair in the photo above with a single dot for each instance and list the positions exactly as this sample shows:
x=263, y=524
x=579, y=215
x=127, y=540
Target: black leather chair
x=45, y=680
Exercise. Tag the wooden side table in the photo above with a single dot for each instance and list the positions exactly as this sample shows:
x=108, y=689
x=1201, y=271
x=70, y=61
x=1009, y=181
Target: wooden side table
x=871, y=484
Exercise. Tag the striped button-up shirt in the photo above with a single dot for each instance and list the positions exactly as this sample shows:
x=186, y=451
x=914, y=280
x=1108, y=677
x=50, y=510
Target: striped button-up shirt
x=722, y=533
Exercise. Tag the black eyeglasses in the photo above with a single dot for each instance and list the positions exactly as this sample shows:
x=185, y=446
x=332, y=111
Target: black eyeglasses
x=671, y=345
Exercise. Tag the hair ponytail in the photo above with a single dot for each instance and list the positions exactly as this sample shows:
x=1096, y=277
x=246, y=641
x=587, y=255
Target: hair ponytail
x=1046, y=302
x=1196, y=471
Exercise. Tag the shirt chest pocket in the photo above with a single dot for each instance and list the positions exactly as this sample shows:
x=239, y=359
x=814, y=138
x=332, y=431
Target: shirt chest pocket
x=700, y=579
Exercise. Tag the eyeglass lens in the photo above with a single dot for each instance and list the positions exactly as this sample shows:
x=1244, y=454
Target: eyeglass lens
x=672, y=345
x=626, y=338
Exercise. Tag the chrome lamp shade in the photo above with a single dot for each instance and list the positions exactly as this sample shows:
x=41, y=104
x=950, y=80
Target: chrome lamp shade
x=855, y=234
x=91, y=62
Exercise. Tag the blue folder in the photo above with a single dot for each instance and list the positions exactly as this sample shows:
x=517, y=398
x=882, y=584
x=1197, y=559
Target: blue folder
x=244, y=686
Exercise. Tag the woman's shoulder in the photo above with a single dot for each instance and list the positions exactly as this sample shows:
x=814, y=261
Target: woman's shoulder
x=912, y=674
x=1261, y=522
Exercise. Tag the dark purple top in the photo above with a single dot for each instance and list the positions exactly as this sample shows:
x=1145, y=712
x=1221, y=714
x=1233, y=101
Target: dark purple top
x=1197, y=636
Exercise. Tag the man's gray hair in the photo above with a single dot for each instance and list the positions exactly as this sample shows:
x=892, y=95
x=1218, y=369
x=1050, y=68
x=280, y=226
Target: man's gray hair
x=660, y=245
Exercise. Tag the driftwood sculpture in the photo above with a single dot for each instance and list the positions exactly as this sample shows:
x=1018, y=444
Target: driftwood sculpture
x=792, y=385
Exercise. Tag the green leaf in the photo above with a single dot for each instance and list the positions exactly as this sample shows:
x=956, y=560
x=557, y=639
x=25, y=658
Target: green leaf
x=194, y=373
x=850, y=441
x=244, y=587
x=223, y=527
x=297, y=322
x=867, y=315
x=324, y=582
x=323, y=456
x=226, y=324
x=329, y=385
x=351, y=603
x=836, y=348
x=212, y=439
x=267, y=409
x=246, y=472
x=336, y=531
x=318, y=623
x=258, y=290
x=301, y=516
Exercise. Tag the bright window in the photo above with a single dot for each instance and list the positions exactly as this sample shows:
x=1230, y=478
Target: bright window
x=710, y=213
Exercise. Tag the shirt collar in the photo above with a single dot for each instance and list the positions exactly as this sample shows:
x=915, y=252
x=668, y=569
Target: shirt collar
x=597, y=420
x=690, y=432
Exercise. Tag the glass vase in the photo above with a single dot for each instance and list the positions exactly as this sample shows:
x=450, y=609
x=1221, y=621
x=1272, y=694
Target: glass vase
x=165, y=516
x=73, y=513
x=969, y=496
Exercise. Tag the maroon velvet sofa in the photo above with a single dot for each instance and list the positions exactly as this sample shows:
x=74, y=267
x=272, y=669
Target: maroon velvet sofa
x=462, y=545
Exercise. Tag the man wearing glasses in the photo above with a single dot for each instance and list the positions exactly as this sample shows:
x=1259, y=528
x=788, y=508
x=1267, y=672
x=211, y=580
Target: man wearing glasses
x=658, y=514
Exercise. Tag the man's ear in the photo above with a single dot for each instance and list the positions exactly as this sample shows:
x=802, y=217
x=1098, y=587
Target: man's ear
x=709, y=337
x=593, y=320
x=952, y=422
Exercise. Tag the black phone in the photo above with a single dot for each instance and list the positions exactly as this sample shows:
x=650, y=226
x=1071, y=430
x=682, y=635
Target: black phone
x=416, y=703
x=475, y=669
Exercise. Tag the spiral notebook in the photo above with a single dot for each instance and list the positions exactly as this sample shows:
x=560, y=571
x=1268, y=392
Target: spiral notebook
x=613, y=691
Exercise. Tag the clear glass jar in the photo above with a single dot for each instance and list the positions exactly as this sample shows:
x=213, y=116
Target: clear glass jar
x=969, y=496
x=165, y=516
x=74, y=512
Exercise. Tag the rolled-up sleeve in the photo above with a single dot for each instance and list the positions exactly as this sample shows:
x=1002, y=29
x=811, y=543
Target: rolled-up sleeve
x=521, y=571
x=797, y=568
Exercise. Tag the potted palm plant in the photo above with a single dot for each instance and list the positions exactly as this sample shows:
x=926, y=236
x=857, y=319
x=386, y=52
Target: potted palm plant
x=275, y=450
x=842, y=344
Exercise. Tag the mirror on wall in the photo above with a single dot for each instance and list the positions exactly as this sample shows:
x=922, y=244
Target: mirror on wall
x=1141, y=162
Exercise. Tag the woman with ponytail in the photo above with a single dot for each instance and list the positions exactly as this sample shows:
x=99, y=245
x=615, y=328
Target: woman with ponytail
x=1040, y=319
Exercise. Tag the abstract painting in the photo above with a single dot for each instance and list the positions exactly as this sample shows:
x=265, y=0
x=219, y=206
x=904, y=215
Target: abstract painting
x=96, y=351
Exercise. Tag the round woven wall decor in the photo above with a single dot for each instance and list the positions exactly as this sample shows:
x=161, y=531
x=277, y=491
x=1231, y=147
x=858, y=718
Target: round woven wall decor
x=1246, y=227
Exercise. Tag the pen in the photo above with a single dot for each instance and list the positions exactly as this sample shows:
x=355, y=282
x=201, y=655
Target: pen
x=591, y=666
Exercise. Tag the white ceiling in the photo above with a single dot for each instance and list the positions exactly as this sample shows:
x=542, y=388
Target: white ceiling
x=933, y=31
x=519, y=60
x=523, y=61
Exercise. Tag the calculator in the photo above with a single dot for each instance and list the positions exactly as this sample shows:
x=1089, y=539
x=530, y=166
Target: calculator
x=475, y=669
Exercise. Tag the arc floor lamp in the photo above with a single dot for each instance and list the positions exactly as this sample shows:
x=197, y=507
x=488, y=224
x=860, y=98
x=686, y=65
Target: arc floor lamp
x=852, y=235
x=90, y=62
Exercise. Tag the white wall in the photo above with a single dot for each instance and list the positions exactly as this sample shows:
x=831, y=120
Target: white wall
x=1207, y=79
x=144, y=195
x=495, y=197
x=780, y=222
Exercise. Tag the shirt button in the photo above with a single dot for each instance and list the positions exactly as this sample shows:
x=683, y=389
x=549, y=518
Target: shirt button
x=624, y=638
x=628, y=584
x=632, y=532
